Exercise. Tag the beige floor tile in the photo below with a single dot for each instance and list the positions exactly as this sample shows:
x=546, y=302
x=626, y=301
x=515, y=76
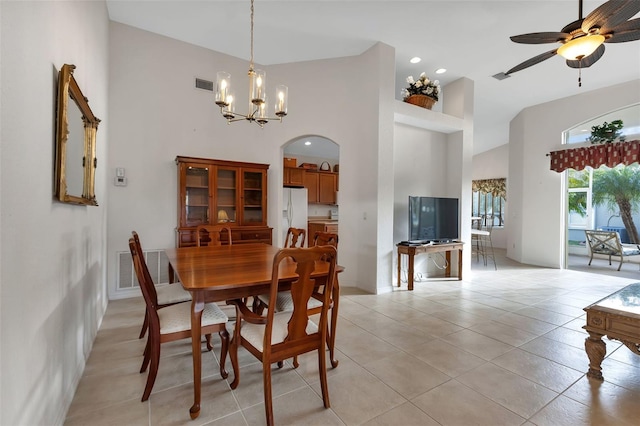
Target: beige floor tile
x=302, y=406
x=571, y=337
x=564, y=411
x=538, y=313
x=459, y=317
x=547, y=373
x=606, y=398
x=359, y=396
x=250, y=389
x=510, y=390
x=406, y=414
x=477, y=344
x=434, y=326
x=362, y=346
x=447, y=358
x=621, y=374
x=524, y=323
x=308, y=365
x=503, y=333
x=171, y=406
x=455, y=404
x=622, y=354
x=235, y=419
x=406, y=374
x=559, y=352
x=131, y=412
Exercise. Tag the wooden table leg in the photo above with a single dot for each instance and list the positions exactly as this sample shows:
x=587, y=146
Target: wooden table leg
x=596, y=350
x=410, y=273
x=399, y=262
x=197, y=306
x=460, y=265
x=334, y=322
x=447, y=256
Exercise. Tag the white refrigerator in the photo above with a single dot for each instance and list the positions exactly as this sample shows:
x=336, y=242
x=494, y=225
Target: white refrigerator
x=294, y=213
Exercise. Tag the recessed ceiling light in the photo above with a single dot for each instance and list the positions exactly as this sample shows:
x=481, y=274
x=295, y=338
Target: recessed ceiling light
x=415, y=60
x=441, y=70
x=307, y=143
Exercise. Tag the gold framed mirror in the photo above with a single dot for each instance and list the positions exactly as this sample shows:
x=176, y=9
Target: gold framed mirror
x=76, y=130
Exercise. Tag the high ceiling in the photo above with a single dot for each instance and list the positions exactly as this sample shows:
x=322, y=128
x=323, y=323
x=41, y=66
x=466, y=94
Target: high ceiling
x=468, y=38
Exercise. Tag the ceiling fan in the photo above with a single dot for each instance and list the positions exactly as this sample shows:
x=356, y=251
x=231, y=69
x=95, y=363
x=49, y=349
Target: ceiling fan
x=582, y=40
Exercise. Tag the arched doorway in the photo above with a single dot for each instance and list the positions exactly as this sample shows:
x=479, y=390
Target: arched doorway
x=319, y=185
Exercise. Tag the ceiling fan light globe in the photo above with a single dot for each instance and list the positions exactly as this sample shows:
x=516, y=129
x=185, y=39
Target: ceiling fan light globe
x=580, y=47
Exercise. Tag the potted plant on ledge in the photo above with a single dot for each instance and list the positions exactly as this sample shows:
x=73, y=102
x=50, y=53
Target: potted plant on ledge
x=422, y=92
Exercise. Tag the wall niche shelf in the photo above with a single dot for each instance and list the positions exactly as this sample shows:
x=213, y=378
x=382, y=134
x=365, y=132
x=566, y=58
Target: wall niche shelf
x=415, y=116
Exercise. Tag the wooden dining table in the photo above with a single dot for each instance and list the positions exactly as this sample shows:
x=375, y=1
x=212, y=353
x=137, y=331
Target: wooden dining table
x=220, y=273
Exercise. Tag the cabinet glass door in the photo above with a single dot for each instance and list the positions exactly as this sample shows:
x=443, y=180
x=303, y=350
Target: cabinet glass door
x=254, y=194
x=226, y=196
x=196, y=200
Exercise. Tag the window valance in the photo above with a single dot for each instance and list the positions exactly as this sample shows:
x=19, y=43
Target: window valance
x=496, y=187
x=609, y=155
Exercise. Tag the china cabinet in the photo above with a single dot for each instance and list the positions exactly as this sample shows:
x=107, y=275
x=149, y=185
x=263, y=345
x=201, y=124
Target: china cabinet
x=212, y=192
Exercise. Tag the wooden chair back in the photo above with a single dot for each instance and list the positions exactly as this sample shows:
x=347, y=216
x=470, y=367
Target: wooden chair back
x=325, y=239
x=210, y=235
x=295, y=238
x=146, y=282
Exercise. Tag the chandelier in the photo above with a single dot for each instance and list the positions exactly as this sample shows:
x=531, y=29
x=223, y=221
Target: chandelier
x=258, y=107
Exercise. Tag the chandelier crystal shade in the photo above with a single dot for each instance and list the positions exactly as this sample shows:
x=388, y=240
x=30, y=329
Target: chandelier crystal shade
x=258, y=106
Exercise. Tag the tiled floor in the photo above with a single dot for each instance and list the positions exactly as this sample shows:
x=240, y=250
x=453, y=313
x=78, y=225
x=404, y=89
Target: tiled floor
x=500, y=348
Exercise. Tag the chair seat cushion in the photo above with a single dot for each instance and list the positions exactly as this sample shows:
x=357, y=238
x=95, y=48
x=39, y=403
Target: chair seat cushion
x=630, y=249
x=172, y=293
x=284, y=302
x=177, y=317
x=254, y=333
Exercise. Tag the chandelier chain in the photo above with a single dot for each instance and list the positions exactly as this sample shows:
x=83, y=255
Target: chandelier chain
x=251, y=60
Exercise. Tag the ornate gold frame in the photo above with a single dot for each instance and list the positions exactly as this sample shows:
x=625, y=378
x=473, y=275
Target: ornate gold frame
x=68, y=89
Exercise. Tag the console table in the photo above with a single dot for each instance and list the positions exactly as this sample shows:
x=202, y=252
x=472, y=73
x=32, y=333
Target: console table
x=617, y=316
x=412, y=250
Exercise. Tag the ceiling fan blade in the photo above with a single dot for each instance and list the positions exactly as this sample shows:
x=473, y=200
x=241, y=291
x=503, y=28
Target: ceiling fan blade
x=532, y=61
x=628, y=31
x=587, y=61
x=540, y=38
x=610, y=14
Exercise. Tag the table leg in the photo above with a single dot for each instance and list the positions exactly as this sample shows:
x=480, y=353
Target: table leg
x=596, y=350
x=460, y=264
x=447, y=256
x=334, y=322
x=197, y=306
x=410, y=273
x=399, y=262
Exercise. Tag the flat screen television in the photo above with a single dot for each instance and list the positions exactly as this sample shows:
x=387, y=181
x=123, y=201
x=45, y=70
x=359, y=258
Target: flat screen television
x=433, y=219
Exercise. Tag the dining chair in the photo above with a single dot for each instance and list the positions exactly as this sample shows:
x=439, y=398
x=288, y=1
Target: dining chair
x=173, y=322
x=211, y=235
x=284, y=301
x=167, y=294
x=280, y=335
x=295, y=238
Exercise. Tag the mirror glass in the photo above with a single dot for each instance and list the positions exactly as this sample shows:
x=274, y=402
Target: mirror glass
x=75, y=143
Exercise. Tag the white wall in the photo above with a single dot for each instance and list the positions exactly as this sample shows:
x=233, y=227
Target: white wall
x=53, y=271
x=157, y=114
x=494, y=164
x=534, y=192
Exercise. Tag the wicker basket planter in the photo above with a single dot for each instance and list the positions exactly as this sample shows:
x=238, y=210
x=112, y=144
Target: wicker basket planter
x=423, y=101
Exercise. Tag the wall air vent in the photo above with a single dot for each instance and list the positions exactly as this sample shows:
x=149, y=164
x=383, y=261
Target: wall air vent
x=204, y=84
x=157, y=263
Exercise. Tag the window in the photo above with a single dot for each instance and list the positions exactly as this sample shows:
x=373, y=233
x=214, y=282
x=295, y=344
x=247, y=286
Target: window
x=488, y=201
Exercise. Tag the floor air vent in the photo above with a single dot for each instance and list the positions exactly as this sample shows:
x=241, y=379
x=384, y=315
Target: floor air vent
x=157, y=263
x=204, y=84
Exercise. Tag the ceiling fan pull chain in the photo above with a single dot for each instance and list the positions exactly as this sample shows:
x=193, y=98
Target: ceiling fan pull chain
x=580, y=73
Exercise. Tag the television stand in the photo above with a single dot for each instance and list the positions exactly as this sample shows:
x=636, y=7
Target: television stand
x=412, y=250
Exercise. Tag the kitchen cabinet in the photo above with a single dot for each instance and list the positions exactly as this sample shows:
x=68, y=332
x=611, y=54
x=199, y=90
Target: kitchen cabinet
x=321, y=226
x=321, y=187
x=217, y=191
x=293, y=177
